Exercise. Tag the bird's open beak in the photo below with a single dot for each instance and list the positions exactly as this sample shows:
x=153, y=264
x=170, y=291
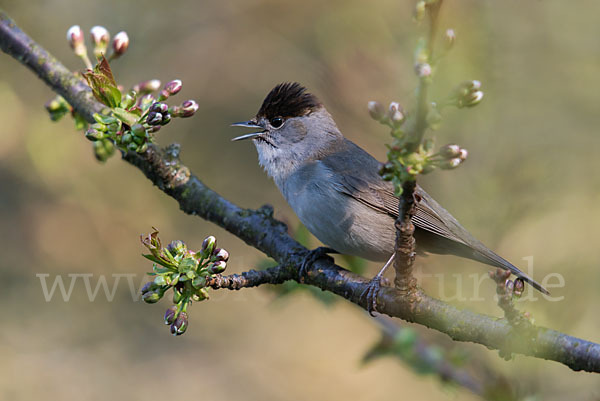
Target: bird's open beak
x=248, y=124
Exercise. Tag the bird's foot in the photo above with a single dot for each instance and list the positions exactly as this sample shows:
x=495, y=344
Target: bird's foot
x=374, y=286
x=314, y=255
x=372, y=291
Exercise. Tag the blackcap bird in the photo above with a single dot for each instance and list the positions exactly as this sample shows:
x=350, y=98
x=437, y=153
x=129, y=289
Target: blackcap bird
x=335, y=188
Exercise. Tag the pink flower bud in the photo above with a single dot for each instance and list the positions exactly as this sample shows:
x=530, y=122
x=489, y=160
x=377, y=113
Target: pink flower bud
x=423, y=70
x=75, y=36
x=396, y=113
x=120, y=43
x=450, y=151
x=376, y=110
x=449, y=38
x=174, y=86
x=100, y=37
x=189, y=107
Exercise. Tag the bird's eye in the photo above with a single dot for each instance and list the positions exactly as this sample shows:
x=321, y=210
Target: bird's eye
x=276, y=122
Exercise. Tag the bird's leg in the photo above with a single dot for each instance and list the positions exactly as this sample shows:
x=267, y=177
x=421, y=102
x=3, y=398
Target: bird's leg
x=314, y=255
x=373, y=287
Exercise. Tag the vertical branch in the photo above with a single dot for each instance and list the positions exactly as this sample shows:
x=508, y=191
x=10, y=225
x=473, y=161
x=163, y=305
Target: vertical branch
x=405, y=241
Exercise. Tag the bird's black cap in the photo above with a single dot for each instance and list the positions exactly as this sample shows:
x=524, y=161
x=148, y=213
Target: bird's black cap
x=289, y=99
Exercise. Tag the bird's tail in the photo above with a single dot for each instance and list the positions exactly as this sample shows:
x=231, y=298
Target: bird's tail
x=488, y=257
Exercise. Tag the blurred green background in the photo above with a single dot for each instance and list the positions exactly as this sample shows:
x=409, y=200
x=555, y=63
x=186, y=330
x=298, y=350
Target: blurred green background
x=529, y=189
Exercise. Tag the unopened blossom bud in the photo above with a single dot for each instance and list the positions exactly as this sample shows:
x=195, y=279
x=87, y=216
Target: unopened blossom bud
x=376, y=110
x=171, y=315
x=101, y=38
x=423, y=70
x=463, y=154
x=396, y=113
x=75, y=38
x=173, y=87
x=208, y=245
x=149, y=286
x=138, y=130
x=145, y=87
x=449, y=38
x=163, y=95
x=138, y=140
x=473, y=99
x=519, y=287
x=126, y=138
x=93, y=134
x=166, y=119
x=180, y=324
x=176, y=247
x=474, y=85
x=189, y=107
x=450, y=163
x=120, y=43
x=159, y=107
x=221, y=254
x=151, y=297
x=217, y=267
x=153, y=118
x=450, y=151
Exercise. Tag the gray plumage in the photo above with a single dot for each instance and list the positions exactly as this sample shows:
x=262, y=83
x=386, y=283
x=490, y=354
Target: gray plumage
x=335, y=189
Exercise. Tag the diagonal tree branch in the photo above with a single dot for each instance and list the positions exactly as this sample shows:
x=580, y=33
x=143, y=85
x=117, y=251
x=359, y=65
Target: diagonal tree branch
x=259, y=229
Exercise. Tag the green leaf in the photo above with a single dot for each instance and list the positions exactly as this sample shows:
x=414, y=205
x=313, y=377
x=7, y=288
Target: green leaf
x=103, y=84
x=104, y=68
x=104, y=119
x=125, y=116
x=159, y=261
x=161, y=270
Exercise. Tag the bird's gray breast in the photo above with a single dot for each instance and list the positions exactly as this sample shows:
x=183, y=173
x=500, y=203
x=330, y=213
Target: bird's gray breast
x=336, y=218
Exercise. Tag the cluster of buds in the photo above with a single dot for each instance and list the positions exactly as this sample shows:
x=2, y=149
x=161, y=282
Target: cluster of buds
x=100, y=38
x=466, y=94
x=394, y=116
x=404, y=165
x=183, y=271
x=449, y=156
x=132, y=120
x=506, y=286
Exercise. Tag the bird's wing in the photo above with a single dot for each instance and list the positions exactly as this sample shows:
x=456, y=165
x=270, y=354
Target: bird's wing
x=360, y=180
x=357, y=176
